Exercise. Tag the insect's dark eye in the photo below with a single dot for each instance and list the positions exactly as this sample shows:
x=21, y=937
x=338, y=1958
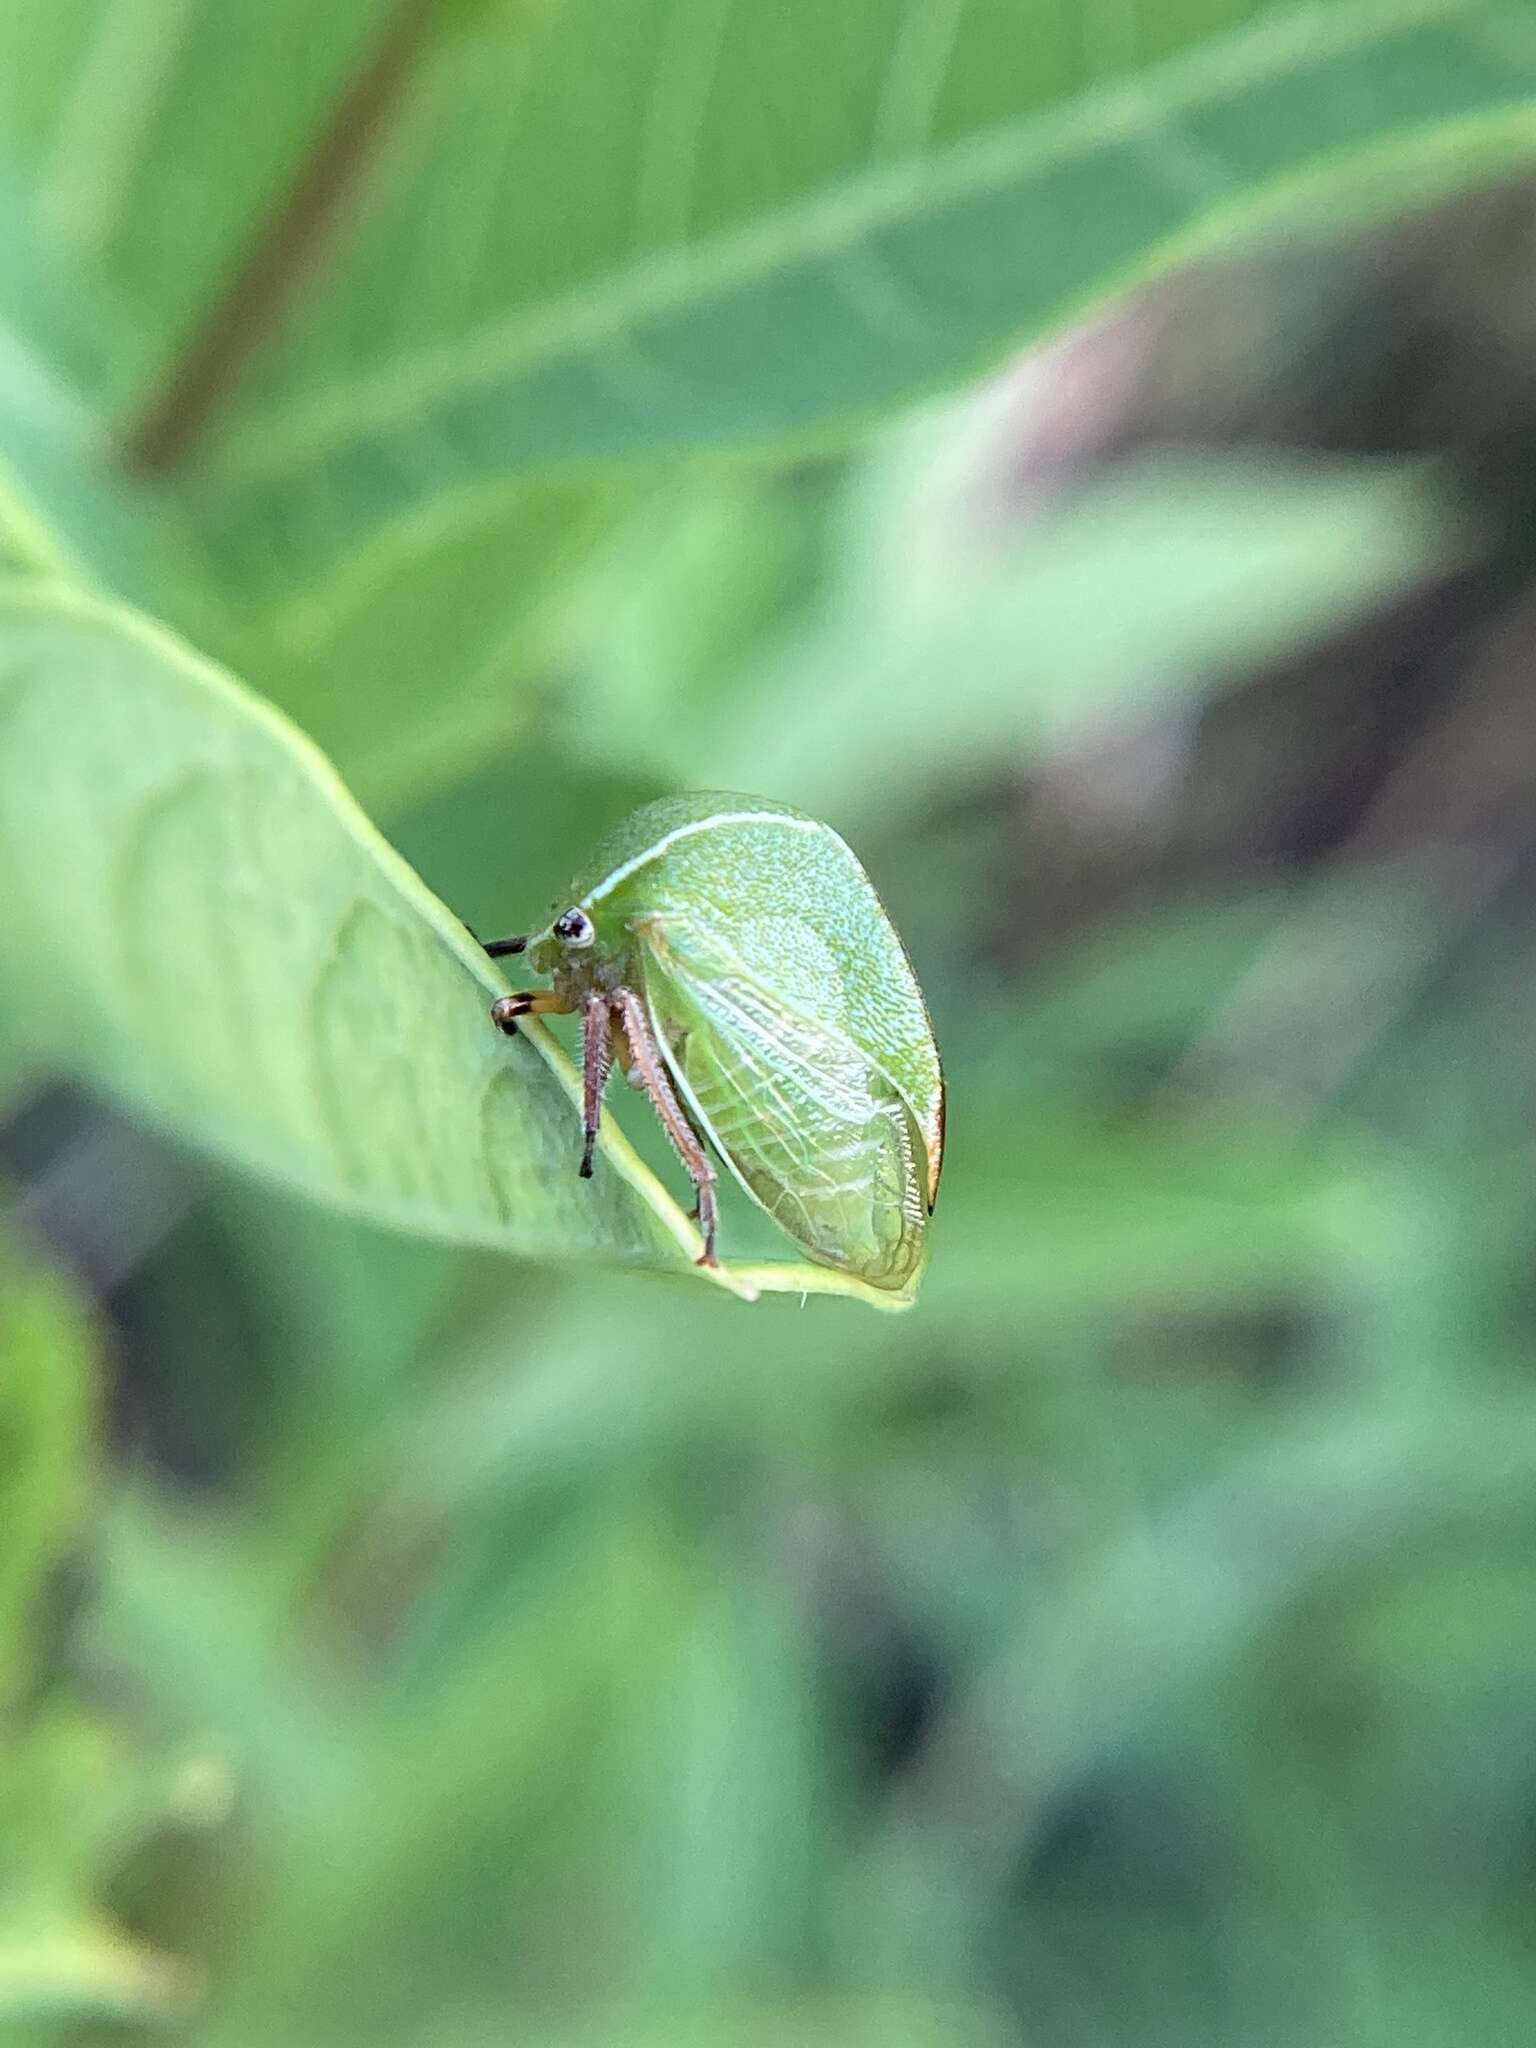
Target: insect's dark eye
x=574, y=928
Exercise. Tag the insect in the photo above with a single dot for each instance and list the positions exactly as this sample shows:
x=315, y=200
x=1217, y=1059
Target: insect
x=732, y=957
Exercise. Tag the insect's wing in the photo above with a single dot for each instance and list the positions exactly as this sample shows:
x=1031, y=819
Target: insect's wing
x=810, y=1127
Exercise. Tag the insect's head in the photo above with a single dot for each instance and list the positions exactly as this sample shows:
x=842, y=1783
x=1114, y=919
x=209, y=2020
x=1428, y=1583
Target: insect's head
x=571, y=932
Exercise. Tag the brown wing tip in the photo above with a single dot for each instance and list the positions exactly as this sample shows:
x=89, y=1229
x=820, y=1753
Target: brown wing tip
x=935, y=1139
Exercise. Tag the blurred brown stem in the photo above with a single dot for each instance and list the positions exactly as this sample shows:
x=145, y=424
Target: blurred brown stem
x=287, y=247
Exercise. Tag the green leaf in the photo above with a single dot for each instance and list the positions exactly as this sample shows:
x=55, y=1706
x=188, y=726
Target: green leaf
x=47, y=1403
x=61, y=512
x=198, y=919
x=69, y=1794
x=868, y=2021
x=418, y=656
x=1137, y=1623
x=86, y=1969
x=115, y=113
x=1101, y=610
x=761, y=223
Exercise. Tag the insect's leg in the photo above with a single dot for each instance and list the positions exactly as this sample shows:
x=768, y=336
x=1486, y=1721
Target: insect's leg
x=538, y=1002
x=630, y=1069
x=596, y=1059
x=500, y=948
x=677, y=1042
x=705, y=1212
x=697, y=1211
x=648, y=1063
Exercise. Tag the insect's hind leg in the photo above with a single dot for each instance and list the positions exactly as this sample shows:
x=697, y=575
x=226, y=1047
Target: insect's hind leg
x=636, y=1079
x=649, y=1065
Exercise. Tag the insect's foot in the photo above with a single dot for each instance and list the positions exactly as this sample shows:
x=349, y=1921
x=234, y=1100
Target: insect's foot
x=707, y=1258
x=505, y=1012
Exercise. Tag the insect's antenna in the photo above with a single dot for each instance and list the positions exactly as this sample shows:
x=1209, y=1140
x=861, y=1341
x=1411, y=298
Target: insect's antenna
x=499, y=948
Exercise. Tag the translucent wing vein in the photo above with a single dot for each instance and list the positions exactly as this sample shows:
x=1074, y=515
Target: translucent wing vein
x=809, y=1125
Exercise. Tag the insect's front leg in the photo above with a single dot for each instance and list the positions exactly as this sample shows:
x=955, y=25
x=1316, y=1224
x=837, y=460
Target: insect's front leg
x=498, y=948
x=537, y=1002
x=596, y=1059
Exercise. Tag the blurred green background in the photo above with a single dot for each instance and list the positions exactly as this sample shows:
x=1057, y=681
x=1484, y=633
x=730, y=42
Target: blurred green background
x=1086, y=454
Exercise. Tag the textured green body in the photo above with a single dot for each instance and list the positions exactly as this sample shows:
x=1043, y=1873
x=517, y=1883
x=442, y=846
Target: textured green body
x=786, y=1010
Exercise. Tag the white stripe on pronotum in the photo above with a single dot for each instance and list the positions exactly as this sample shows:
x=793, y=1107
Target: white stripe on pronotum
x=622, y=873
